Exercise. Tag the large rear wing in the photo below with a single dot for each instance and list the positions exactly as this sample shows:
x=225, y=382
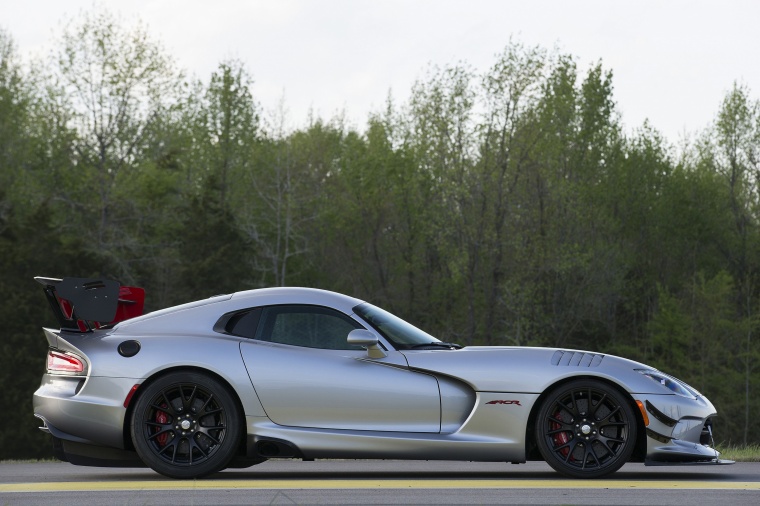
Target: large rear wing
x=85, y=304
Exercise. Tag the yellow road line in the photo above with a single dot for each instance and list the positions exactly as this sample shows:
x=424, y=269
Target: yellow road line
x=372, y=484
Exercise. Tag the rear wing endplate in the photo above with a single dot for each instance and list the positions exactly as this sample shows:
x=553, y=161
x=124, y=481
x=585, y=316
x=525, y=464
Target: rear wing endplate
x=84, y=304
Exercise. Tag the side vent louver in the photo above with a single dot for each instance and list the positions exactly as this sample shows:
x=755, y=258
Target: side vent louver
x=576, y=358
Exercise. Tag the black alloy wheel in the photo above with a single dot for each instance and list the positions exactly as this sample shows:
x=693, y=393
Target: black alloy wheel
x=186, y=425
x=586, y=429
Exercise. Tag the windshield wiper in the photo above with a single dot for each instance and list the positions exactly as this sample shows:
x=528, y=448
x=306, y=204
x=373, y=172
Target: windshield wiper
x=436, y=344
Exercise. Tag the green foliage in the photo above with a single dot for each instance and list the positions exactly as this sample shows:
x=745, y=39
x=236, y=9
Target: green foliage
x=208, y=238
x=699, y=337
x=29, y=246
x=506, y=207
x=740, y=453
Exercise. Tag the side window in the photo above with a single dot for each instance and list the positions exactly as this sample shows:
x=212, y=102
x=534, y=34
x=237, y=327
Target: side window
x=308, y=326
x=244, y=323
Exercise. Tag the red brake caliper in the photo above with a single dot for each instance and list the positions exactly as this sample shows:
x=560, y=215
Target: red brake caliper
x=162, y=418
x=560, y=438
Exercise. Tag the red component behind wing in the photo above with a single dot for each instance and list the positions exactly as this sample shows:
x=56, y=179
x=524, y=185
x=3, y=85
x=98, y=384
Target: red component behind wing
x=131, y=303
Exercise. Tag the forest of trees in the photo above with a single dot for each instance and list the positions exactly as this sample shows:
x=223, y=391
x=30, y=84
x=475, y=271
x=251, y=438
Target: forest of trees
x=504, y=207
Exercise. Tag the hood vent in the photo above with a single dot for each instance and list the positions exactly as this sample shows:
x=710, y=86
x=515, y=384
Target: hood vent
x=576, y=358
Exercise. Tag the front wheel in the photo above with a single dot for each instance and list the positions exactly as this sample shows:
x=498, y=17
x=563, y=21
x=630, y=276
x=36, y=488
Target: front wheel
x=586, y=429
x=186, y=425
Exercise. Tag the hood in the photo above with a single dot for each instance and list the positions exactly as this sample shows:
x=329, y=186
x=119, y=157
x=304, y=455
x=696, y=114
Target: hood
x=528, y=370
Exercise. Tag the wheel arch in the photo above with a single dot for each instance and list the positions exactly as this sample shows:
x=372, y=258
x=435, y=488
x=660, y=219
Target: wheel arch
x=531, y=447
x=126, y=432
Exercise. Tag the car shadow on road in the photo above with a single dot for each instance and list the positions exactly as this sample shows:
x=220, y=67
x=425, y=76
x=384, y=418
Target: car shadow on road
x=395, y=470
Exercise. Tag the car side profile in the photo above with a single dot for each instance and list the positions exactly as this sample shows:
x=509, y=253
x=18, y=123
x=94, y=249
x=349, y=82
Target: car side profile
x=301, y=373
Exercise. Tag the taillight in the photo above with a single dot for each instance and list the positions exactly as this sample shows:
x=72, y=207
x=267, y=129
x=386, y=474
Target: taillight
x=59, y=362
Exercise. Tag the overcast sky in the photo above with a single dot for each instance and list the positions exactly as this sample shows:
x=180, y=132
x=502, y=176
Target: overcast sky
x=673, y=60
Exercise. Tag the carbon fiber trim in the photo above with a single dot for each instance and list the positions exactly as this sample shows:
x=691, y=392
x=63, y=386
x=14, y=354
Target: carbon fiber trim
x=659, y=415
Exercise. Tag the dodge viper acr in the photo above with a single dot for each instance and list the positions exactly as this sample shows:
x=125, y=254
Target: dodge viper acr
x=237, y=379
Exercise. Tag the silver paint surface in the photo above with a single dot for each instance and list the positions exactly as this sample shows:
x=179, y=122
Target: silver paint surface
x=469, y=404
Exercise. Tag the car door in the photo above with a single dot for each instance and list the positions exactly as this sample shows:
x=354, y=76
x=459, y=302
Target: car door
x=306, y=375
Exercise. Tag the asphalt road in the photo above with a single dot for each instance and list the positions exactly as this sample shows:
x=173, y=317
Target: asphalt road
x=380, y=482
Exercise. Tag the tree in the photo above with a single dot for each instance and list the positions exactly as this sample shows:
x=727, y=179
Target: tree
x=116, y=83
x=283, y=196
x=441, y=143
x=15, y=104
x=697, y=336
x=231, y=122
x=735, y=155
x=214, y=253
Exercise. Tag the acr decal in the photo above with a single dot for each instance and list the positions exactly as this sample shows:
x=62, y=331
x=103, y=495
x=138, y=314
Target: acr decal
x=505, y=402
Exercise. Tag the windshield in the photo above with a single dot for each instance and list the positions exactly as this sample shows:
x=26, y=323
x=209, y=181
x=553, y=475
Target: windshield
x=402, y=334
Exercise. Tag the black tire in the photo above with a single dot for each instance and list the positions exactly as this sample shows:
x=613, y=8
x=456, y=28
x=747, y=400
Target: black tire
x=186, y=425
x=586, y=429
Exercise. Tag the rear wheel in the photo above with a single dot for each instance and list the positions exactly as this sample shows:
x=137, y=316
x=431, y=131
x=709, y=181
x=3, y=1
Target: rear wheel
x=586, y=429
x=186, y=425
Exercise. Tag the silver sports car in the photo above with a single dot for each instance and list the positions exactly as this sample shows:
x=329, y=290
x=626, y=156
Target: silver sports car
x=237, y=379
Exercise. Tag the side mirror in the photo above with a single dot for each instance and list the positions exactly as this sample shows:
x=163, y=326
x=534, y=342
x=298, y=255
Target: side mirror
x=362, y=337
